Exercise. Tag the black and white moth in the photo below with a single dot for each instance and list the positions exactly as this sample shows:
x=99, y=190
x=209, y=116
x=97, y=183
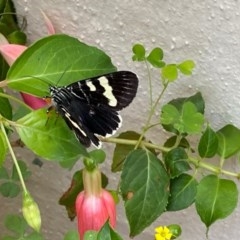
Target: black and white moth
x=91, y=107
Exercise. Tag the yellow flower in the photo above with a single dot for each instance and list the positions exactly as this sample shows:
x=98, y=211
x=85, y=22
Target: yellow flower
x=162, y=233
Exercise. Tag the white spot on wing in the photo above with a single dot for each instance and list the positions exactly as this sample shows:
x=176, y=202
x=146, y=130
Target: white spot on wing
x=108, y=93
x=91, y=86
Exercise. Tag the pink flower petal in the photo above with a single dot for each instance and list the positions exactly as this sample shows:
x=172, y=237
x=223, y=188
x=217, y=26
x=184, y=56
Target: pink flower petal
x=11, y=52
x=33, y=102
x=49, y=24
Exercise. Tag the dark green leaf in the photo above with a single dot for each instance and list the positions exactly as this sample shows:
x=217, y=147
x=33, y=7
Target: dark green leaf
x=24, y=170
x=216, y=199
x=3, y=148
x=208, y=144
x=122, y=150
x=183, y=190
x=186, y=67
x=138, y=52
x=228, y=141
x=69, y=197
x=6, y=108
x=71, y=235
x=155, y=58
x=9, y=189
x=34, y=236
x=15, y=224
x=49, y=136
x=170, y=72
x=58, y=58
x=144, y=186
x=17, y=37
x=176, y=162
x=107, y=233
x=3, y=173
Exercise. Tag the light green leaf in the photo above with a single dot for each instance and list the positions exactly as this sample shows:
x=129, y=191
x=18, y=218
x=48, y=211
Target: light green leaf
x=71, y=235
x=56, y=59
x=216, y=199
x=170, y=72
x=186, y=67
x=155, y=58
x=107, y=233
x=208, y=144
x=170, y=114
x=228, y=141
x=144, y=186
x=191, y=120
x=138, y=52
x=183, y=190
x=49, y=137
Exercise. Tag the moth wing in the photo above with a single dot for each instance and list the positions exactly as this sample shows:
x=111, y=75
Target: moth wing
x=115, y=90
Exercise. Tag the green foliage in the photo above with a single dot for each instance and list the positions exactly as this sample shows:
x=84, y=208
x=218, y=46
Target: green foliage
x=216, y=198
x=144, y=186
x=9, y=182
x=19, y=229
x=153, y=178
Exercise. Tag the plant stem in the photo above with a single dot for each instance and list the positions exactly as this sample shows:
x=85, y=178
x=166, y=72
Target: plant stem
x=150, y=83
x=14, y=159
x=152, y=111
x=15, y=99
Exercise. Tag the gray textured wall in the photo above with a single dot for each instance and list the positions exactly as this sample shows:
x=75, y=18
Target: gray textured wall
x=206, y=31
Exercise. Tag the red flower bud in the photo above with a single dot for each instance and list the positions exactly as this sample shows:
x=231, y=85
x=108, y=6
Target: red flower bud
x=94, y=205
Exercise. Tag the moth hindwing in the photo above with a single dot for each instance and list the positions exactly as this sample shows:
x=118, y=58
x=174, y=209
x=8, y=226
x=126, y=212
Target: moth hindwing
x=91, y=106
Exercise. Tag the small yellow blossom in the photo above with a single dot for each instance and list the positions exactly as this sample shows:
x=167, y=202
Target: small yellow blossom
x=162, y=233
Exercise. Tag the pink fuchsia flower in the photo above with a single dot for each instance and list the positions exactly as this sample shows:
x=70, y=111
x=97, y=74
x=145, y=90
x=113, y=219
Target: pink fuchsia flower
x=11, y=52
x=94, y=205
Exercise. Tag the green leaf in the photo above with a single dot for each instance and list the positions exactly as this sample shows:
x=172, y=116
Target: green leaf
x=228, y=141
x=6, y=108
x=155, y=58
x=17, y=37
x=59, y=58
x=3, y=173
x=216, y=199
x=71, y=235
x=98, y=155
x=208, y=144
x=186, y=67
x=183, y=190
x=69, y=197
x=9, y=189
x=15, y=224
x=24, y=170
x=107, y=233
x=176, y=162
x=138, y=52
x=191, y=120
x=49, y=137
x=144, y=186
x=90, y=235
x=3, y=148
x=170, y=115
x=122, y=150
x=170, y=72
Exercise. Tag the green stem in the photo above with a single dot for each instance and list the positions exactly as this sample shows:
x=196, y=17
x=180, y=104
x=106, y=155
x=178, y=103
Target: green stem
x=150, y=84
x=134, y=142
x=152, y=111
x=14, y=159
x=212, y=168
x=15, y=99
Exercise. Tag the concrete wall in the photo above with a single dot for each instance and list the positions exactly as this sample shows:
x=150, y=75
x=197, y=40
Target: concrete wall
x=207, y=32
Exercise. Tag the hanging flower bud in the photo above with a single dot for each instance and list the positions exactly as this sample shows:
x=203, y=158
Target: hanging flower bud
x=31, y=212
x=94, y=205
